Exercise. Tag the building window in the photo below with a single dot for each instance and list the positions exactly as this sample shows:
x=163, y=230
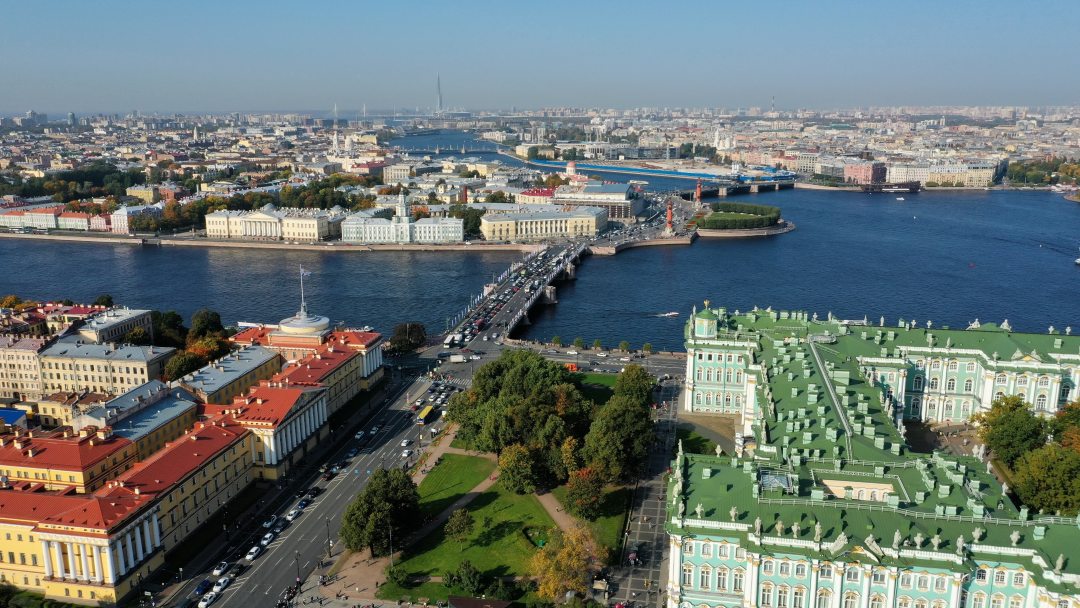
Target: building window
x=950, y=385
x=877, y=602
x=1044, y=382
x=1000, y=576
x=998, y=601
x=825, y=571
x=953, y=366
x=935, y=365
x=823, y=598
x=851, y=600
x=1022, y=381
x=1017, y=601
x=969, y=385
x=879, y=577
x=905, y=602
x=785, y=569
x=688, y=548
x=767, y=567
x=798, y=598
x=917, y=384
x=688, y=575
x=800, y=570
x=706, y=549
x=782, y=597
x=971, y=367
x=1001, y=379
x=851, y=575
x=978, y=600
x=721, y=579
x=940, y=583
x=704, y=578
x=933, y=384
x=924, y=582
x=1040, y=402
x=766, y=595
x=737, y=580
x=1019, y=579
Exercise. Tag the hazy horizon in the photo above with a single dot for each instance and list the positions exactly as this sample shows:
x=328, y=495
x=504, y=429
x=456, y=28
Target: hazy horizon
x=201, y=57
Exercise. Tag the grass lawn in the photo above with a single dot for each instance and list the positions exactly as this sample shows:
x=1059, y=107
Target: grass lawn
x=461, y=444
x=450, y=480
x=609, y=526
x=695, y=443
x=497, y=547
x=598, y=387
x=727, y=215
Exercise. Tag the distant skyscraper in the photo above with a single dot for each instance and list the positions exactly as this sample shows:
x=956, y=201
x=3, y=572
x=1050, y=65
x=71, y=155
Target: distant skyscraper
x=438, y=95
x=71, y=119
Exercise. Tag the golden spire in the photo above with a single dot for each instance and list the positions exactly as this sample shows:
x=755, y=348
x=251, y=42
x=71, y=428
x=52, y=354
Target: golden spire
x=706, y=304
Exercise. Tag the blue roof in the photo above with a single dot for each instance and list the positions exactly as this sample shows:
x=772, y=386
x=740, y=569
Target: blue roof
x=220, y=373
x=143, y=409
x=12, y=416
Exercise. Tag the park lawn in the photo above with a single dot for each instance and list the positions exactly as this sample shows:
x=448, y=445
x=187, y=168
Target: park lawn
x=608, y=527
x=461, y=444
x=498, y=545
x=598, y=387
x=727, y=215
x=694, y=443
x=450, y=480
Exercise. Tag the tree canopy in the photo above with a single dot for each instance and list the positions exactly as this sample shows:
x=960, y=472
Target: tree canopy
x=565, y=564
x=636, y=384
x=1048, y=478
x=619, y=438
x=408, y=337
x=388, y=505
x=1010, y=429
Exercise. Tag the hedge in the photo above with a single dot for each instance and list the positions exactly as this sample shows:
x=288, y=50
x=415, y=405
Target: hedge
x=759, y=216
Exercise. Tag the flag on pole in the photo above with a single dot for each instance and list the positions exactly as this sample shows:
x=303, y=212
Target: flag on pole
x=304, y=273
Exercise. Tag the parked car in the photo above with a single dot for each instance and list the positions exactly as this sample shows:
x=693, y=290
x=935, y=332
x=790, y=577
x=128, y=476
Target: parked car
x=253, y=553
x=221, y=568
x=303, y=504
x=221, y=584
x=267, y=539
x=293, y=515
x=359, y=435
x=203, y=586
x=270, y=522
x=210, y=598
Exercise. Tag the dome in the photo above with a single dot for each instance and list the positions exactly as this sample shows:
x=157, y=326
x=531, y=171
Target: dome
x=303, y=323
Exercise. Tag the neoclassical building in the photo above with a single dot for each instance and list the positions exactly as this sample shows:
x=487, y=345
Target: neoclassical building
x=823, y=505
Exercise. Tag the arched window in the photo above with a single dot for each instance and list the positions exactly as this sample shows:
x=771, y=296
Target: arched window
x=921, y=603
x=766, y=595
x=904, y=602
x=851, y=600
x=1001, y=379
x=782, y=595
x=1040, y=402
x=767, y=566
x=877, y=602
x=978, y=600
x=737, y=580
x=800, y=570
x=999, y=395
x=708, y=398
x=998, y=601
x=823, y=598
x=1016, y=601
x=916, y=384
x=798, y=598
x=950, y=385
x=738, y=401
x=721, y=579
x=698, y=374
x=935, y=365
x=1044, y=382
x=969, y=385
x=915, y=403
x=933, y=384
x=697, y=398
x=727, y=400
x=708, y=375
x=1022, y=381
x=727, y=376
x=980, y=575
x=953, y=366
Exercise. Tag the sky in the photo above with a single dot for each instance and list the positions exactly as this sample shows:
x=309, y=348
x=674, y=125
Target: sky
x=238, y=55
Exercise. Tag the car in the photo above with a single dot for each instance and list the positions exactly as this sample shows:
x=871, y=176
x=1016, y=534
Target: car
x=405, y=442
x=334, y=470
x=601, y=355
x=221, y=568
x=303, y=504
x=238, y=570
x=324, y=467
x=352, y=453
x=220, y=585
x=279, y=527
x=270, y=522
x=327, y=476
x=624, y=359
x=406, y=453
x=267, y=539
x=293, y=515
x=203, y=586
x=474, y=357
x=359, y=435
x=571, y=352
x=374, y=429
x=208, y=599
x=253, y=553
x=314, y=491
x=552, y=351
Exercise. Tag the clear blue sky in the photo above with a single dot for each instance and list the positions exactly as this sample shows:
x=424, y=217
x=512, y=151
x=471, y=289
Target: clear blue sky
x=226, y=55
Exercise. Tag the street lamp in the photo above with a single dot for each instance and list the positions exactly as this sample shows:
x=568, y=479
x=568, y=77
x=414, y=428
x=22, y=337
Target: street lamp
x=298, y=572
x=329, y=543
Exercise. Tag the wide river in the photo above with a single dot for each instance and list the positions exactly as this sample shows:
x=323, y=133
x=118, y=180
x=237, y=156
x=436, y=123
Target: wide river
x=948, y=257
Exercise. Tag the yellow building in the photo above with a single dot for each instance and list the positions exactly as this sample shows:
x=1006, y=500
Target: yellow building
x=20, y=371
x=59, y=409
x=63, y=459
x=71, y=366
x=582, y=221
x=149, y=416
x=232, y=374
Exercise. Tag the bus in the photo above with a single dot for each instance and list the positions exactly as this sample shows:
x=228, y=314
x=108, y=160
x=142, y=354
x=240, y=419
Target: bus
x=425, y=415
x=449, y=341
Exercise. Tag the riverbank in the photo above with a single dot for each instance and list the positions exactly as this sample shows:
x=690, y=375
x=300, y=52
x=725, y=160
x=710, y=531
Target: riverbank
x=780, y=228
x=614, y=249
x=111, y=239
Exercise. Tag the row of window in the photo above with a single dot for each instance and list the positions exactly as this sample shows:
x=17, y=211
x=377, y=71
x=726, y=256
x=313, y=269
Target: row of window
x=728, y=358
x=711, y=398
x=726, y=377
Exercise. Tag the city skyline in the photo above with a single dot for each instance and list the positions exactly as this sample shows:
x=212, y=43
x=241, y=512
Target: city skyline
x=238, y=58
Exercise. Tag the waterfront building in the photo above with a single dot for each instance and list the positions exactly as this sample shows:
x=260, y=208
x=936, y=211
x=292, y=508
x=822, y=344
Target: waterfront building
x=20, y=371
x=579, y=222
x=101, y=223
x=272, y=223
x=618, y=200
x=824, y=505
x=121, y=217
x=113, y=324
x=361, y=227
x=71, y=365
x=219, y=381
x=73, y=220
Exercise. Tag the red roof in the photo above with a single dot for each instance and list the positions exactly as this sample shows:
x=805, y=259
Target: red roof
x=55, y=451
x=48, y=211
x=178, y=459
x=547, y=192
x=69, y=510
x=316, y=367
x=264, y=406
x=75, y=214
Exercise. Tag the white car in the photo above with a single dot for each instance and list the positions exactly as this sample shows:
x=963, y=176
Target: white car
x=571, y=352
x=406, y=453
x=359, y=435
x=601, y=354
x=221, y=584
x=208, y=599
x=293, y=514
x=221, y=568
x=405, y=442
x=267, y=539
x=253, y=552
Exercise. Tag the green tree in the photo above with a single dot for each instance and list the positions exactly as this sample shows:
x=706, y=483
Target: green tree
x=182, y=364
x=579, y=342
x=597, y=344
x=565, y=564
x=408, y=337
x=137, y=336
x=585, y=493
x=556, y=340
x=169, y=329
x=624, y=346
x=1010, y=429
x=497, y=197
x=104, y=300
x=635, y=384
x=469, y=578
x=388, y=505
x=647, y=348
x=204, y=323
x=570, y=453
x=10, y=301
x=516, y=469
x=459, y=525
x=1048, y=478
x=397, y=575
x=618, y=439
x=533, y=153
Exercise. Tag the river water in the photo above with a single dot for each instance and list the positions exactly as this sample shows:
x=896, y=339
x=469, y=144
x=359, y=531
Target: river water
x=949, y=257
